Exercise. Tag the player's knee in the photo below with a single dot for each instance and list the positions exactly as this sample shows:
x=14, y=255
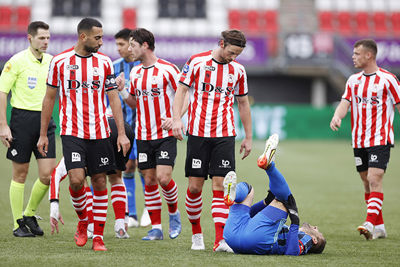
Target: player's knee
x=195, y=189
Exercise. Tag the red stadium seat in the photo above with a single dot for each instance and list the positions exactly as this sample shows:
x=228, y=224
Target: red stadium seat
x=395, y=21
x=270, y=18
x=5, y=18
x=23, y=14
x=362, y=24
x=344, y=23
x=234, y=19
x=380, y=24
x=252, y=19
x=129, y=18
x=325, y=21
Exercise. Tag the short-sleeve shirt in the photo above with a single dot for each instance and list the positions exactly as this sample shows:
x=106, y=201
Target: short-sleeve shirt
x=212, y=87
x=372, y=99
x=25, y=76
x=154, y=88
x=82, y=83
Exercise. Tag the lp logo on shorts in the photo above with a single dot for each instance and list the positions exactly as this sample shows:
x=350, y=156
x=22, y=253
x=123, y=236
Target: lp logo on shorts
x=164, y=155
x=374, y=158
x=196, y=163
x=104, y=161
x=75, y=156
x=142, y=157
x=225, y=164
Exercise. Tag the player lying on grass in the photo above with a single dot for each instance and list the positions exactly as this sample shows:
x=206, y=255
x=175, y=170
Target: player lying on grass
x=260, y=228
x=118, y=191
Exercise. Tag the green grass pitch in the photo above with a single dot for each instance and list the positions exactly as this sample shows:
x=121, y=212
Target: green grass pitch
x=321, y=175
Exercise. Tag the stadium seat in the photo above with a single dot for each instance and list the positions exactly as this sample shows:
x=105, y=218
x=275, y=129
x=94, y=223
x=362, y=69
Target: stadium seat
x=252, y=19
x=270, y=19
x=129, y=18
x=325, y=21
x=344, y=23
x=380, y=23
x=395, y=21
x=362, y=27
x=234, y=19
x=23, y=18
x=5, y=18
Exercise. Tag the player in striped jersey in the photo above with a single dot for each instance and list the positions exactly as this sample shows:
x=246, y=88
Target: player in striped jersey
x=83, y=77
x=371, y=95
x=152, y=91
x=213, y=80
x=125, y=65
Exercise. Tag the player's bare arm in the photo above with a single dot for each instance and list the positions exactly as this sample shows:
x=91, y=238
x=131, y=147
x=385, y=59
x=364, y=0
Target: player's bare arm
x=245, y=117
x=5, y=132
x=339, y=114
x=47, y=110
x=122, y=140
x=179, y=100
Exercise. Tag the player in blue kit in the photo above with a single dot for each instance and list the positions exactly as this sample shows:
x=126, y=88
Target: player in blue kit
x=260, y=228
x=125, y=65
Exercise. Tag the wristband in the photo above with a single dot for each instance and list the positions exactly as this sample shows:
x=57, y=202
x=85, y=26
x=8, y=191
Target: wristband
x=124, y=94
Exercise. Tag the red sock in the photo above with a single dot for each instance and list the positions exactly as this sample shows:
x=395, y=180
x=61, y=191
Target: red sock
x=100, y=203
x=79, y=202
x=374, y=207
x=118, y=200
x=366, y=197
x=89, y=204
x=170, y=193
x=194, y=206
x=152, y=199
x=219, y=212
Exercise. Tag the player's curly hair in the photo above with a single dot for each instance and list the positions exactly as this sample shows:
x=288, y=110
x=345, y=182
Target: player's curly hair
x=233, y=37
x=319, y=247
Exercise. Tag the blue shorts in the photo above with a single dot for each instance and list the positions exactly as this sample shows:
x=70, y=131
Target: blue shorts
x=133, y=154
x=255, y=235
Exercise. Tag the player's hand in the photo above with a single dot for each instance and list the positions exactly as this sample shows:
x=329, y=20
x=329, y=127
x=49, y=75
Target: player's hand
x=42, y=145
x=166, y=123
x=120, y=81
x=55, y=216
x=177, y=129
x=5, y=135
x=290, y=205
x=124, y=143
x=245, y=147
x=335, y=123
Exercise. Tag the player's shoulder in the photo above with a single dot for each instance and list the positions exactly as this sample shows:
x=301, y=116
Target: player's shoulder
x=387, y=74
x=103, y=57
x=168, y=66
x=64, y=54
x=354, y=77
x=201, y=56
x=118, y=61
x=19, y=57
x=238, y=65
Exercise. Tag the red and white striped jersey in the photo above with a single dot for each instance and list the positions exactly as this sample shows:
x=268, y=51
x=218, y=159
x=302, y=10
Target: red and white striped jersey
x=212, y=86
x=154, y=88
x=82, y=83
x=372, y=100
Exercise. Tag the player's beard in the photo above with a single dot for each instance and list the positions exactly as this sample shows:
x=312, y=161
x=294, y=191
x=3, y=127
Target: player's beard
x=91, y=49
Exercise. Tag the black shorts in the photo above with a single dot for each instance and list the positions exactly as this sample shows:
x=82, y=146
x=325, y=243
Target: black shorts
x=156, y=152
x=120, y=160
x=25, y=129
x=96, y=155
x=207, y=156
x=372, y=157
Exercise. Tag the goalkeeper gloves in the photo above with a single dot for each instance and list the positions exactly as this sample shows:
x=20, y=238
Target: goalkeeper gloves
x=290, y=205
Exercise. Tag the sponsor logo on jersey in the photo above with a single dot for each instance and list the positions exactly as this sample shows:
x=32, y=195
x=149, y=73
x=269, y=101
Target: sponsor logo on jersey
x=32, y=82
x=154, y=92
x=75, y=157
x=142, y=157
x=196, y=163
x=72, y=67
x=185, y=68
x=209, y=68
x=75, y=84
x=373, y=100
x=95, y=71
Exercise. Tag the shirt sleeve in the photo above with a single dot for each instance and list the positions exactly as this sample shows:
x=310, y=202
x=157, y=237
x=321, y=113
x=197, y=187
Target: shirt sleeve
x=8, y=76
x=293, y=248
x=59, y=174
x=347, y=91
x=110, y=83
x=394, y=89
x=241, y=85
x=187, y=73
x=54, y=74
x=174, y=78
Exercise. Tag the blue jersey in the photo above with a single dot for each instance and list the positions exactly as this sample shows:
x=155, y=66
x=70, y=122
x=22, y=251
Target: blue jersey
x=281, y=245
x=120, y=65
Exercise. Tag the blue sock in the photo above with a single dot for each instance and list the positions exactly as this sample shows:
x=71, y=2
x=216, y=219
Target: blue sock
x=254, y=209
x=129, y=180
x=277, y=183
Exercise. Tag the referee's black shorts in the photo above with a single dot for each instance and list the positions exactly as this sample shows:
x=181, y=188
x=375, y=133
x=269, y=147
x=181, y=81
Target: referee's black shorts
x=25, y=129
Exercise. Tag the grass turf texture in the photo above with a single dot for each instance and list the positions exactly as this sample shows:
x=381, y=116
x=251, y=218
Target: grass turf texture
x=321, y=176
